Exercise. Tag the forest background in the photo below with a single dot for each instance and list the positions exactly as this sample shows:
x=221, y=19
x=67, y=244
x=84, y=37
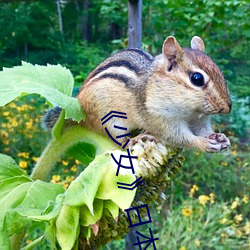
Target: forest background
x=207, y=205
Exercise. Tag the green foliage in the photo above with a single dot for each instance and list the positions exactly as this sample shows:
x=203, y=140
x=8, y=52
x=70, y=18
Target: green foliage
x=204, y=223
x=52, y=82
x=19, y=198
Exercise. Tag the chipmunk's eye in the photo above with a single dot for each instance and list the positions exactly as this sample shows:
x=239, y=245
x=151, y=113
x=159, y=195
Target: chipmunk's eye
x=197, y=79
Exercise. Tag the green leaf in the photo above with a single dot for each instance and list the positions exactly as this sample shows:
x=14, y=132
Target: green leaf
x=83, y=189
x=47, y=216
x=9, y=168
x=4, y=240
x=99, y=180
x=86, y=218
x=6, y=186
x=34, y=243
x=50, y=234
x=83, y=152
x=108, y=189
x=53, y=82
x=20, y=198
x=86, y=232
x=67, y=226
x=39, y=194
x=14, y=198
x=112, y=207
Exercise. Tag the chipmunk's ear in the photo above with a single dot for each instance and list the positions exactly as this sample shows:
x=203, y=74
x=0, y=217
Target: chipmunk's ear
x=171, y=49
x=197, y=43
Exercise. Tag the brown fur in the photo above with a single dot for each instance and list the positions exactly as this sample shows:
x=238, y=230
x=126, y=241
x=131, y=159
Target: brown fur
x=157, y=95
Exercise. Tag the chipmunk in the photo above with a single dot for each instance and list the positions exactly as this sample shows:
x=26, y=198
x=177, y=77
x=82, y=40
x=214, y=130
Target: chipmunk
x=170, y=96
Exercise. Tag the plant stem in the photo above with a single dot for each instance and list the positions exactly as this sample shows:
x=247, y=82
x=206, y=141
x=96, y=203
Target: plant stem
x=16, y=240
x=57, y=147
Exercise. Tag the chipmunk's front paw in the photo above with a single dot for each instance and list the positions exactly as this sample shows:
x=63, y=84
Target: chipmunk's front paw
x=141, y=138
x=217, y=142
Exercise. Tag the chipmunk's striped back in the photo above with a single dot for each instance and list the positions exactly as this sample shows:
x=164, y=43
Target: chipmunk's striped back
x=124, y=66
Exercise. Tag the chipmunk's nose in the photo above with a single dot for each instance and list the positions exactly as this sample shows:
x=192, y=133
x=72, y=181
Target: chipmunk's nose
x=227, y=108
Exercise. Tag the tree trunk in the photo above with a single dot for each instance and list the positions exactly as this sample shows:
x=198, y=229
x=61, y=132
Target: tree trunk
x=59, y=16
x=85, y=20
x=135, y=23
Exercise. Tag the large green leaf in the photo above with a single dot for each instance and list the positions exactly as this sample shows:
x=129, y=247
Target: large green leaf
x=39, y=194
x=83, y=189
x=83, y=152
x=108, y=188
x=67, y=226
x=22, y=200
x=53, y=82
x=86, y=218
x=99, y=180
x=6, y=186
x=112, y=208
x=9, y=168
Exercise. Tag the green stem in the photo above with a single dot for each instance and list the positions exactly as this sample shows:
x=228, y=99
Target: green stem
x=16, y=240
x=57, y=147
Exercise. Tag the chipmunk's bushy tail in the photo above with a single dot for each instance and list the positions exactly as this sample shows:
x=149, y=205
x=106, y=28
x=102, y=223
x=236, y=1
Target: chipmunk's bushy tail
x=50, y=117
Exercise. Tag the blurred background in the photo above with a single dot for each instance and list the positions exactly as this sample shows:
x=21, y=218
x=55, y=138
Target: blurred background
x=207, y=206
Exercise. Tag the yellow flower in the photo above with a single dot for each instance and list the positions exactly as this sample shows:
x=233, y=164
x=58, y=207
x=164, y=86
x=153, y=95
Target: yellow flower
x=187, y=211
x=14, y=123
x=12, y=105
x=29, y=124
x=197, y=242
x=245, y=199
x=203, y=199
x=192, y=190
x=77, y=162
x=225, y=164
x=24, y=154
x=65, y=163
x=238, y=233
x=238, y=218
x=65, y=185
x=211, y=195
x=4, y=134
x=223, y=220
x=6, y=113
x=6, y=149
x=234, y=152
x=70, y=178
x=73, y=168
x=247, y=227
x=55, y=178
x=235, y=203
x=6, y=141
x=182, y=248
x=23, y=164
x=35, y=159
